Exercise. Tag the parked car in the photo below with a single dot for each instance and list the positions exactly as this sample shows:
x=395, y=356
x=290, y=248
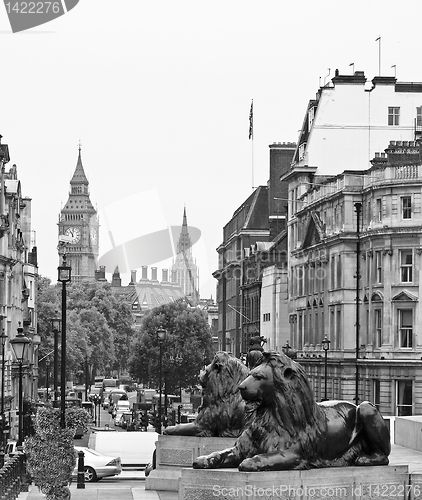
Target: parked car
x=97, y=465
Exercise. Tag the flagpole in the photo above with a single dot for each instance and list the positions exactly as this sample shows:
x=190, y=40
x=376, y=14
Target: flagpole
x=251, y=138
x=253, y=180
x=379, y=55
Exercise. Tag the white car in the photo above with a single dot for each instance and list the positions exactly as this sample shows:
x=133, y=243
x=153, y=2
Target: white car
x=97, y=465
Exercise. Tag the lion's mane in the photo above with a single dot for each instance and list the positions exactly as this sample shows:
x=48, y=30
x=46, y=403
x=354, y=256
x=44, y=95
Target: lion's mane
x=223, y=408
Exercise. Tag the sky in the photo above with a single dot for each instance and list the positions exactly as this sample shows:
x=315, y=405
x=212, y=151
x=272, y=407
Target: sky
x=158, y=94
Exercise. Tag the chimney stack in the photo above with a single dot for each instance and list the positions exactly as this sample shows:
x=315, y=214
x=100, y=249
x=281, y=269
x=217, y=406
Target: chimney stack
x=132, y=277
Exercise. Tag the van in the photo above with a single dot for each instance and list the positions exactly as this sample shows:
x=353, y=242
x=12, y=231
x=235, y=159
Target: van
x=114, y=397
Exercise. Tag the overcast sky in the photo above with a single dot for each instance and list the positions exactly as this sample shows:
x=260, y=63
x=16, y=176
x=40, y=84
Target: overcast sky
x=159, y=92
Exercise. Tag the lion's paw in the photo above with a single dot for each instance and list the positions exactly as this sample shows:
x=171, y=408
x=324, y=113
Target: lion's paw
x=251, y=465
x=169, y=430
x=206, y=462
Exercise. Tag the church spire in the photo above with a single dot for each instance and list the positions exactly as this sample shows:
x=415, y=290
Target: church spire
x=184, y=243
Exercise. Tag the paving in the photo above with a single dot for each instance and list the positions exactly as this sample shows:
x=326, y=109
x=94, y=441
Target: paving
x=115, y=491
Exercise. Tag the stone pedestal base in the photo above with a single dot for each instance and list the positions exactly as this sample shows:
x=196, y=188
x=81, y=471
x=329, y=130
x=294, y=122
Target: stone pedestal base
x=347, y=483
x=176, y=452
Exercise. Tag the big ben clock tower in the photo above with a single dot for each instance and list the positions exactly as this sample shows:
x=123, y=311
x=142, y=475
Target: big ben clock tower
x=78, y=220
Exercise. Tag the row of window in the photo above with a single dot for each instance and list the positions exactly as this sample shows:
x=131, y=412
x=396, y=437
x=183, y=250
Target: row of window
x=404, y=327
x=403, y=390
x=312, y=279
x=394, y=116
x=406, y=209
x=311, y=328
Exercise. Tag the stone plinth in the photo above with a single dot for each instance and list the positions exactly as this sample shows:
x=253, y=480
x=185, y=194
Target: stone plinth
x=408, y=432
x=348, y=483
x=173, y=453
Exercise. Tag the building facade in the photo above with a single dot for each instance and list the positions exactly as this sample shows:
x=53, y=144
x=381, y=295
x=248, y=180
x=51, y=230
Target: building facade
x=354, y=235
x=79, y=224
x=18, y=289
x=252, y=241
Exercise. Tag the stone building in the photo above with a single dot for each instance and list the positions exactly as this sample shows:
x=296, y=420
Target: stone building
x=354, y=236
x=252, y=243
x=18, y=289
x=78, y=222
x=147, y=292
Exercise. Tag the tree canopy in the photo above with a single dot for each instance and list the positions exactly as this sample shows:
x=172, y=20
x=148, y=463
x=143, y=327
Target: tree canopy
x=98, y=326
x=187, y=348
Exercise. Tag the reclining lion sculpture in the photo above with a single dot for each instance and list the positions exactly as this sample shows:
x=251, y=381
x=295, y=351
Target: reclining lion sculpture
x=289, y=430
x=223, y=408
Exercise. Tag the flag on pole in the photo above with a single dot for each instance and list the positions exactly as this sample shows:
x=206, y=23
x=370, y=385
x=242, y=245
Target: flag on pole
x=251, y=121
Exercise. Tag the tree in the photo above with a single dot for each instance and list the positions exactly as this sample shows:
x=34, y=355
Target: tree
x=188, y=337
x=47, y=303
x=98, y=325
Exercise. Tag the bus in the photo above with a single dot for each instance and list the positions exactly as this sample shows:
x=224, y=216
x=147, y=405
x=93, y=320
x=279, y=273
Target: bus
x=98, y=381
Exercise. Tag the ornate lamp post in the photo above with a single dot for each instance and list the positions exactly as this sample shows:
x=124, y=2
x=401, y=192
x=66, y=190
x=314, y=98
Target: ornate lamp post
x=55, y=326
x=19, y=344
x=3, y=338
x=325, y=345
x=64, y=277
x=161, y=335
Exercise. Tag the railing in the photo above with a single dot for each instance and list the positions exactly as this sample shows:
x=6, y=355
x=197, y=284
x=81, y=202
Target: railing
x=13, y=477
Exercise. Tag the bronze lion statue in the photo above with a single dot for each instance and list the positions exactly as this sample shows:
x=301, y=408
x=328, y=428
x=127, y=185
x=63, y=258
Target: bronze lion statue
x=289, y=430
x=223, y=408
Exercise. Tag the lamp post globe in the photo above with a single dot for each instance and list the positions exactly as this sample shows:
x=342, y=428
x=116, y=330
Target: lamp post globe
x=325, y=345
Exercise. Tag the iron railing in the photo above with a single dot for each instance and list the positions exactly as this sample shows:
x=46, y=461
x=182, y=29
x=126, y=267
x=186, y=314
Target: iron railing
x=13, y=477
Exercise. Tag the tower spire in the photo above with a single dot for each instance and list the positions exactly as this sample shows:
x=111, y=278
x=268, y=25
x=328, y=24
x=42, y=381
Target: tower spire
x=79, y=176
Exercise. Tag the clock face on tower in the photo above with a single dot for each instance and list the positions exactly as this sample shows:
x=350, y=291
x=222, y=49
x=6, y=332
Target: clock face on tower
x=93, y=234
x=74, y=233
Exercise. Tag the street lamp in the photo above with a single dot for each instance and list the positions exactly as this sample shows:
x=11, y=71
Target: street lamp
x=161, y=335
x=325, y=345
x=47, y=369
x=3, y=338
x=64, y=277
x=55, y=326
x=19, y=344
x=358, y=209
x=178, y=359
